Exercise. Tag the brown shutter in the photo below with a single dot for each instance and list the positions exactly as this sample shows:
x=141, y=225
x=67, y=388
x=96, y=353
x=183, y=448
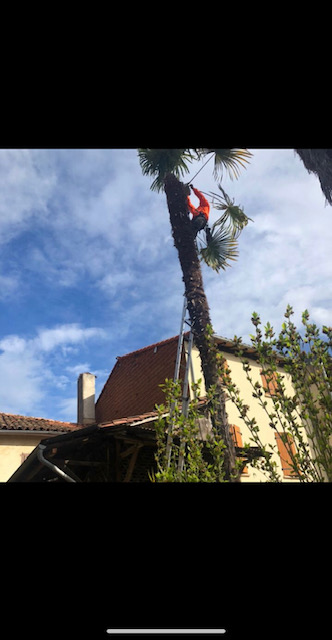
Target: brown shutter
x=270, y=386
x=224, y=366
x=237, y=439
x=285, y=458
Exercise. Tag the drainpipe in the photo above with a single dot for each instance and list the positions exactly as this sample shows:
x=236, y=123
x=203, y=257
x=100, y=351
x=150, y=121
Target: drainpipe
x=52, y=466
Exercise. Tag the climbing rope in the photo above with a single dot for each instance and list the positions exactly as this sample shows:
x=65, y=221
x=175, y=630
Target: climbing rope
x=196, y=174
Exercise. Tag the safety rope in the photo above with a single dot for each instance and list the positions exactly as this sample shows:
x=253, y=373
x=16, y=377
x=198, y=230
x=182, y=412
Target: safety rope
x=196, y=174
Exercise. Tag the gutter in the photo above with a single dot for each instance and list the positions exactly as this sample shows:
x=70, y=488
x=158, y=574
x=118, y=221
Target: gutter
x=30, y=433
x=151, y=419
x=52, y=466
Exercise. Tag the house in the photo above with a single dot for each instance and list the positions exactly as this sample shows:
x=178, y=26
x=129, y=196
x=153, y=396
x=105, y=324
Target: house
x=134, y=385
x=19, y=435
x=117, y=442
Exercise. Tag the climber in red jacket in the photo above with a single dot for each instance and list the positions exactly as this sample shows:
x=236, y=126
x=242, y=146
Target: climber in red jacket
x=200, y=213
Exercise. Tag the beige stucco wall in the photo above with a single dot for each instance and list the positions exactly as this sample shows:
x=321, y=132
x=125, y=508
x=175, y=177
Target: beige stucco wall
x=11, y=448
x=266, y=432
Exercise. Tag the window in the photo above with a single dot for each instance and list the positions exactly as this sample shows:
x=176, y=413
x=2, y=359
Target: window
x=286, y=444
x=237, y=439
x=270, y=383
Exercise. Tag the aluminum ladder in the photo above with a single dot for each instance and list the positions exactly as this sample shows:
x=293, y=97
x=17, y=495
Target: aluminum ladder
x=185, y=385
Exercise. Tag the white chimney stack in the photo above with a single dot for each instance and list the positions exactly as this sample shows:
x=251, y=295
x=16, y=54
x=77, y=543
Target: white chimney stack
x=86, y=399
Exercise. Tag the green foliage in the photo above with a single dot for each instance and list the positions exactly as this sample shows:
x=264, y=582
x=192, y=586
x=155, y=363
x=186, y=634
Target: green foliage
x=233, y=215
x=230, y=160
x=202, y=460
x=305, y=417
x=222, y=244
x=160, y=162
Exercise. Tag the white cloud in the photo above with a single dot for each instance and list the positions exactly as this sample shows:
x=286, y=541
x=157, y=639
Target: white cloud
x=13, y=344
x=63, y=335
x=102, y=219
x=8, y=286
x=285, y=255
x=31, y=368
x=21, y=374
x=79, y=368
x=25, y=189
x=321, y=316
x=113, y=283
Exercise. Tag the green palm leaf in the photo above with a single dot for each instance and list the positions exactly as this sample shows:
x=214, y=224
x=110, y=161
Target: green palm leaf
x=222, y=246
x=233, y=214
x=231, y=160
x=160, y=162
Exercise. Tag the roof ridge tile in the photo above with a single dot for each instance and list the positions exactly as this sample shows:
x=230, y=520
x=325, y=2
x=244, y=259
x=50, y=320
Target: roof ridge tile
x=150, y=346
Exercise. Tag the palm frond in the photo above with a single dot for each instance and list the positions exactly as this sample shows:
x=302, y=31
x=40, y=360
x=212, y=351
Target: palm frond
x=160, y=162
x=233, y=215
x=231, y=160
x=319, y=162
x=222, y=246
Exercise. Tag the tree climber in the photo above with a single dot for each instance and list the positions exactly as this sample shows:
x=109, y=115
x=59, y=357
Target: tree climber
x=200, y=213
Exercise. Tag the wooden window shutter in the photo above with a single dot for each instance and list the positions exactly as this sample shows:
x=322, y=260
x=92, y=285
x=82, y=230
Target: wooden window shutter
x=224, y=366
x=270, y=383
x=237, y=439
x=285, y=458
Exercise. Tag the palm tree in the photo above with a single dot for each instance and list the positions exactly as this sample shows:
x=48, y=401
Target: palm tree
x=168, y=166
x=319, y=161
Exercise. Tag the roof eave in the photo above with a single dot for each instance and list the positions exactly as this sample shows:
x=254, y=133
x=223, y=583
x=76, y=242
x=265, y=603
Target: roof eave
x=32, y=432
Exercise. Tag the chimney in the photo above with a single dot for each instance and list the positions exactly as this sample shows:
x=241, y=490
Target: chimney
x=86, y=399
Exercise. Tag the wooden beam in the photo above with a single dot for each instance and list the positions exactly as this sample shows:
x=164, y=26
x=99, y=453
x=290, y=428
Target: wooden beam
x=132, y=463
x=117, y=461
x=86, y=463
x=128, y=451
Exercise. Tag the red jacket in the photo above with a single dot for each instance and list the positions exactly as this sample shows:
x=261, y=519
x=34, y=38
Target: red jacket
x=203, y=207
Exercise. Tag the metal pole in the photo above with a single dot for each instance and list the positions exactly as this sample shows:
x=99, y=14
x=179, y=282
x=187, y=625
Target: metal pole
x=176, y=377
x=186, y=392
x=180, y=342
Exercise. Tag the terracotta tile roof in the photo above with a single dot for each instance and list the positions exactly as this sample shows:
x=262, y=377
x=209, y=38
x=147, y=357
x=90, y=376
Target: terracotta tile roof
x=133, y=389
x=10, y=422
x=130, y=420
x=146, y=419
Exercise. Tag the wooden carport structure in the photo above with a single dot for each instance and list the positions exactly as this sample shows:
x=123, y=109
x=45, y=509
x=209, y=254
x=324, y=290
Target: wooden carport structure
x=116, y=452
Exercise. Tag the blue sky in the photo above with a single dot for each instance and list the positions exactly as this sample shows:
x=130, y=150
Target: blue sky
x=88, y=270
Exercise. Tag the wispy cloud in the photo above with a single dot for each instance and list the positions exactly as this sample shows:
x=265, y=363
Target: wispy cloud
x=285, y=255
x=31, y=368
x=63, y=335
x=25, y=186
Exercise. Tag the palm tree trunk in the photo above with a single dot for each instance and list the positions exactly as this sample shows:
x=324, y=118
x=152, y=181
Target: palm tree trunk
x=198, y=308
